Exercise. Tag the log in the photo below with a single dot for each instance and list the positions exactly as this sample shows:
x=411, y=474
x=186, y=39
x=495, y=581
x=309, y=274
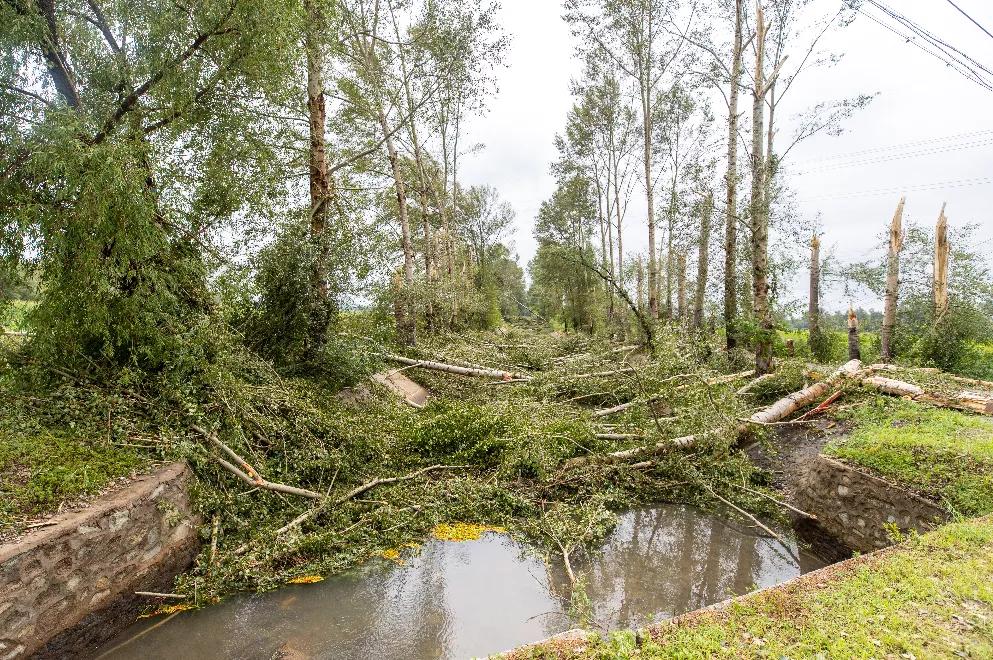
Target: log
x=455, y=369
x=976, y=402
x=626, y=454
x=616, y=409
x=790, y=404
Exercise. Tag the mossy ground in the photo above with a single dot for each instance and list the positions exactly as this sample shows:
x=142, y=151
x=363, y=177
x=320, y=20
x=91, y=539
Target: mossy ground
x=930, y=597
x=943, y=454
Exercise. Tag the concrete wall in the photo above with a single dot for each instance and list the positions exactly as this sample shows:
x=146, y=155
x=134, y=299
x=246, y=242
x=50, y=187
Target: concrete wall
x=67, y=588
x=856, y=507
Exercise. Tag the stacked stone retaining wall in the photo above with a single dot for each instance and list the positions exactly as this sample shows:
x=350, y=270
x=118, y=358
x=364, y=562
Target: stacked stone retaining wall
x=858, y=508
x=69, y=586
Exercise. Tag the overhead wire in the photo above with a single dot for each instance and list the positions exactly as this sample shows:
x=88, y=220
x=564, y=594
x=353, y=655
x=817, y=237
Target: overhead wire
x=920, y=187
x=950, y=59
x=974, y=21
x=902, y=145
x=886, y=158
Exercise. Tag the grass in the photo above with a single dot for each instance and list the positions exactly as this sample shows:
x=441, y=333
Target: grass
x=943, y=454
x=837, y=343
x=930, y=597
x=38, y=472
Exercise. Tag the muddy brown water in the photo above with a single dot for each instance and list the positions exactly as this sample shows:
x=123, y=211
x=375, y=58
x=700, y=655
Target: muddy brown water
x=475, y=598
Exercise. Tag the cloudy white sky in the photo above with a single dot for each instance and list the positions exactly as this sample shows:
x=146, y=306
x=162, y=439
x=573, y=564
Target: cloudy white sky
x=920, y=103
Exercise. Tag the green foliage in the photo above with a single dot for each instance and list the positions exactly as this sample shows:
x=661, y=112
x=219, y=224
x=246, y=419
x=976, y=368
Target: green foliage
x=290, y=321
x=820, y=345
x=944, y=454
x=461, y=433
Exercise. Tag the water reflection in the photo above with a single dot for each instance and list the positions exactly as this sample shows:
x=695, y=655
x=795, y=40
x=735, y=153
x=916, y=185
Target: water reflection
x=459, y=600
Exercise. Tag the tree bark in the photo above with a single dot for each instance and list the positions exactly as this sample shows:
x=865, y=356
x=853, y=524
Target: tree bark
x=653, y=267
x=813, y=305
x=703, y=260
x=321, y=185
x=681, y=287
x=892, y=282
x=854, y=351
x=407, y=326
x=758, y=211
x=941, y=251
x=455, y=369
x=731, y=182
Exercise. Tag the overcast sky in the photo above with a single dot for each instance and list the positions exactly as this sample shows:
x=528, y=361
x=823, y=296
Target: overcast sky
x=896, y=146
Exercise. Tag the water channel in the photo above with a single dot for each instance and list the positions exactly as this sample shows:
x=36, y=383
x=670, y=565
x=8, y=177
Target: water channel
x=475, y=598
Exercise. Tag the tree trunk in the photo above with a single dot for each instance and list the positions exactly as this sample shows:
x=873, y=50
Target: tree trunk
x=407, y=326
x=731, y=181
x=681, y=287
x=758, y=211
x=670, y=257
x=941, y=250
x=814, y=307
x=641, y=284
x=703, y=260
x=892, y=283
x=653, y=266
x=854, y=352
x=322, y=191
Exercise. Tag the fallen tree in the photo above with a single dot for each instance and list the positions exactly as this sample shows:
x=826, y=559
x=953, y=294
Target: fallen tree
x=976, y=402
x=455, y=369
x=790, y=404
x=774, y=413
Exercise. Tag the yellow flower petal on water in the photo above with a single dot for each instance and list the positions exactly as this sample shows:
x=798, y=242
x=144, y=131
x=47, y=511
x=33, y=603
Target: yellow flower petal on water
x=463, y=531
x=170, y=609
x=306, y=579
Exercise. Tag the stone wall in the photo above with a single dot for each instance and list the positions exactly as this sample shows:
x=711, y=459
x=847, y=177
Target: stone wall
x=68, y=587
x=856, y=507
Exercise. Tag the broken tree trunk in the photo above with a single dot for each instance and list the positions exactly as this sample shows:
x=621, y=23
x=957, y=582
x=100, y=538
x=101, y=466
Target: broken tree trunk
x=455, y=369
x=813, y=304
x=892, y=282
x=976, y=402
x=854, y=351
x=941, y=250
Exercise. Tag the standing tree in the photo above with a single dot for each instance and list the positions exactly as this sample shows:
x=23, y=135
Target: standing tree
x=633, y=34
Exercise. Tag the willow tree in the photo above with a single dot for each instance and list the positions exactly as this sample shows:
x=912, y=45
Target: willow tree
x=132, y=134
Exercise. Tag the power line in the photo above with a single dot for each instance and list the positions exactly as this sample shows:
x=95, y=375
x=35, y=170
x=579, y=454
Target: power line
x=920, y=187
x=976, y=23
x=913, y=42
x=926, y=34
x=957, y=60
x=885, y=158
x=895, y=147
